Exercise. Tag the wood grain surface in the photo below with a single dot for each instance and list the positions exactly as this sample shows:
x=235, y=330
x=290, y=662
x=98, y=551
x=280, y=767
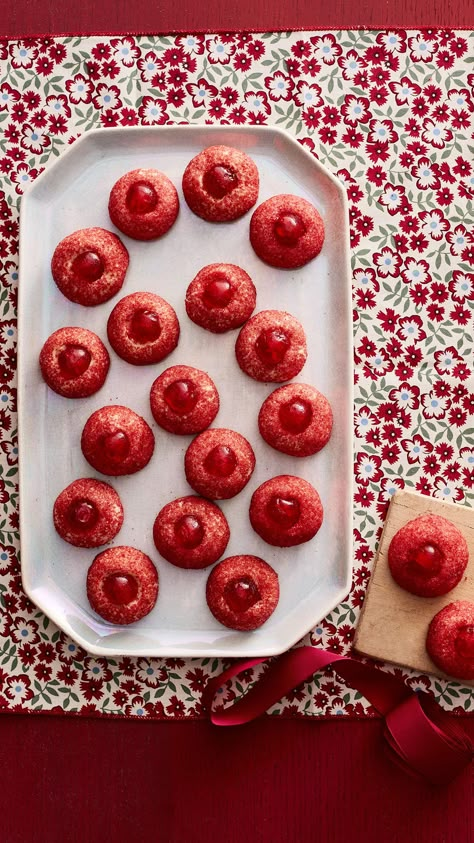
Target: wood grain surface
x=394, y=623
x=30, y=17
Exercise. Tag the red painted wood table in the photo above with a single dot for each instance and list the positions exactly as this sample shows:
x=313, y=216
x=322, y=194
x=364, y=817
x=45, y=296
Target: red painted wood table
x=283, y=778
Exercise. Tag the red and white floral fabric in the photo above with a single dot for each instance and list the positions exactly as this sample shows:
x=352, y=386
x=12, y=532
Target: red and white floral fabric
x=391, y=113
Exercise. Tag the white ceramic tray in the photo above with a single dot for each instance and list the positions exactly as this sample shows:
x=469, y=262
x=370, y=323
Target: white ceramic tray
x=73, y=193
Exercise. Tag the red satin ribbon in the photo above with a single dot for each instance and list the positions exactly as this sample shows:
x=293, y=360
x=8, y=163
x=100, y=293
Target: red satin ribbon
x=423, y=737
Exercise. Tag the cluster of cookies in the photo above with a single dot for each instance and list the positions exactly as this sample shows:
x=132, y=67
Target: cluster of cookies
x=89, y=267
x=428, y=557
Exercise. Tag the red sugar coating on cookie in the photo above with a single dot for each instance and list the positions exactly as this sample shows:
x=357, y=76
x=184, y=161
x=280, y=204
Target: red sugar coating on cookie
x=219, y=463
x=271, y=346
x=88, y=513
x=286, y=231
x=428, y=556
x=221, y=184
x=242, y=592
x=116, y=440
x=286, y=511
x=143, y=204
x=74, y=362
x=143, y=328
x=184, y=400
x=89, y=266
x=122, y=585
x=296, y=419
x=221, y=297
x=450, y=639
x=191, y=532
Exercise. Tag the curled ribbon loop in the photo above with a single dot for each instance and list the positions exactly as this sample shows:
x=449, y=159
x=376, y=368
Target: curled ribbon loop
x=423, y=737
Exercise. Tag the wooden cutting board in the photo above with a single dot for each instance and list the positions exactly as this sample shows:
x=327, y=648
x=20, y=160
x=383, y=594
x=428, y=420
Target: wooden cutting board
x=393, y=622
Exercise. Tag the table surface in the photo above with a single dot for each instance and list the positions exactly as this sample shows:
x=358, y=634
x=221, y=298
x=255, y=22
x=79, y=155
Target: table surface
x=90, y=780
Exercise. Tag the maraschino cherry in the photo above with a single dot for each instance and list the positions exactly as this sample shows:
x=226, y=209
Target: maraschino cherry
x=217, y=293
x=88, y=266
x=120, y=589
x=189, y=532
x=427, y=558
x=145, y=326
x=73, y=361
x=181, y=396
x=241, y=594
x=464, y=642
x=219, y=181
x=83, y=515
x=295, y=416
x=271, y=346
x=141, y=198
x=220, y=461
x=289, y=228
x=116, y=446
x=284, y=511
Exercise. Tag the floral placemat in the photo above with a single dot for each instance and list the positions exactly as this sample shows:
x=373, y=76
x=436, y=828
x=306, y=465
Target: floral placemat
x=391, y=113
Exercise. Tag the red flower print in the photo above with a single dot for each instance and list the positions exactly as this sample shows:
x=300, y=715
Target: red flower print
x=326, y=48
x=461, y=286
x=279, y=86
x=352, y=63
x=18, y=688
x=219, y=51
x=152, y=112
x=125, y=50
x=201, y=92
x=257, y=102
x=79, y=89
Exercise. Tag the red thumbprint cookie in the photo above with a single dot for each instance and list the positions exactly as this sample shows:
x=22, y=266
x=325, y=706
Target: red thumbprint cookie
x=221, y=297
x=221, y=184
x=143, y=328
x=219, y=463
x=74, y=362
x=242, y=592
x=191, y=532
x=286, y=231
x=428, y=556
x=116, y=440
x=143, y=204
x=184, y=400
x=122, y=585
x=88, y=513
x=296, y=419
x=286, y=511
x=450, y=639
x=271, y=346
x=89, y=266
